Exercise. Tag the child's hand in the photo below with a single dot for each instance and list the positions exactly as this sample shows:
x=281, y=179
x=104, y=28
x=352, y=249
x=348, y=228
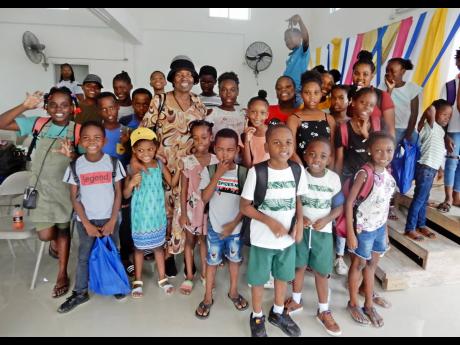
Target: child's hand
x=66, y=148
x=294, y=20
x=162, y=158
x=92, y=230
x=137, y=166
x=124, y=137
x=277, y=228
x=450, y=144
x=33, y=100
x=320, y=224
x=352, y=242
x=249, y=133
x=227, y=229
x=389, y=83
x=306, y=222
x=298, y=232
x=108, y=228
x=222, y=168
x=135, y=181
x=184, y=221
x=440, y=174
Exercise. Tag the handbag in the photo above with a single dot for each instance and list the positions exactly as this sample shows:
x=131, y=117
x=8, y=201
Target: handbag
x=107, y=276
x=404, y=163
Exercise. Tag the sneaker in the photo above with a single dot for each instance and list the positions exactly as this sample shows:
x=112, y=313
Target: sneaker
x=292, y=307
x=327, y=321
x=284, y=322
x=270, y=284
x=257, y=325
x=120, y=296
x=72, y=301
x=341, y=267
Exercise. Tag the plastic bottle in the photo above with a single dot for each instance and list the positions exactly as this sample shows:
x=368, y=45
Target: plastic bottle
x=18, y=218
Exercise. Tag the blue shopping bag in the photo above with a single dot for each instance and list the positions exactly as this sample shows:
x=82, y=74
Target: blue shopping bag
x=107, y=275
x=404, y=163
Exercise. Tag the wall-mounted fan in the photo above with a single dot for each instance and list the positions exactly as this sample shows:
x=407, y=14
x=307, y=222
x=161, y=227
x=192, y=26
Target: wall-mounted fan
x=34, y=49
x=259, y=56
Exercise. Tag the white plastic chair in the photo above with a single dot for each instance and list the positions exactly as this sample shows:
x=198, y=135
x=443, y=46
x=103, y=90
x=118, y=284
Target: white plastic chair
x=8, y=135
x=12, y=186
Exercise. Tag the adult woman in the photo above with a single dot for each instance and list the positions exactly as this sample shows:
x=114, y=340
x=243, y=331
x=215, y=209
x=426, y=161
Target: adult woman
x=285, y=92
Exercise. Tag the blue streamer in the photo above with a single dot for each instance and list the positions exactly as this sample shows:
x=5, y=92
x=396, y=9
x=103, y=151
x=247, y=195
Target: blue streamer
x=344, y=59
x=378, y=50
x=414, y=38
x=328, y=57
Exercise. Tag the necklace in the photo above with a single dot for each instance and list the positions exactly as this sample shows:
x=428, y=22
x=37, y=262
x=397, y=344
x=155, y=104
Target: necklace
x=174, y=95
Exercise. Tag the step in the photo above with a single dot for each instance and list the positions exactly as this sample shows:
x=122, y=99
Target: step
x=434, y=253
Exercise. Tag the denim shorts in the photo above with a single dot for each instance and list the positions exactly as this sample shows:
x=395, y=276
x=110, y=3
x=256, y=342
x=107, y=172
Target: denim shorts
x=217, y=247
x=371, y=241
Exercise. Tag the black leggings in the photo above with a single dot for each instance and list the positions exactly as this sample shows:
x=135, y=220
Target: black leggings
x=126, y=239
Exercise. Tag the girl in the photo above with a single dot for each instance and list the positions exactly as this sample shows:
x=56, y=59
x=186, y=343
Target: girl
x=367, y=236
x=53, y=152
x=148, y=213
x=67, y=79
x=254, y=134
x=122, y=87
x=193, y=217
x=158, y=82
x=328, y=81
x=405, y=98
x=339, y=103
x=285, y=92
x=310, y=122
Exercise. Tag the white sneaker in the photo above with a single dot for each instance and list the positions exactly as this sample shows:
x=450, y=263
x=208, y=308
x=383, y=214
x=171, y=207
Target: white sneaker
x=341, y=267
x=270, y=284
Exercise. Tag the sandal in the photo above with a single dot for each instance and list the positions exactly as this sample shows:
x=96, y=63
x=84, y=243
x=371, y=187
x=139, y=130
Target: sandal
x=167, y=287
x=137, y=292
x=378, y=300
x=413, y=236
x=358, y=315
x=186, y=287
x=374, y=317
x=427, y=233
x=444, y=207
x=59, y=291
x=205, y=310
x=239, y=302
x=129, y=267
x=52, y=252
x=392, y=214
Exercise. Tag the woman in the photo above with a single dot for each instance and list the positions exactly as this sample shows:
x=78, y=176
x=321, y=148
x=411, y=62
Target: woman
x=285, y=92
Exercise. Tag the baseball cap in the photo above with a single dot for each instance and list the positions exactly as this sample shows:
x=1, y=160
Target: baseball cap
x=92, y=78
x=142, y=133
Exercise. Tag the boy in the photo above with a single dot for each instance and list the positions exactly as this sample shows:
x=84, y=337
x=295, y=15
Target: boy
x=431, y=131
x=208, y=79
x=158, y=82
x=297, y=62
x=222, y=190
x=315, y=247
x=91, y=86
x=272, y=236
x=96, y=198
x=141, y=102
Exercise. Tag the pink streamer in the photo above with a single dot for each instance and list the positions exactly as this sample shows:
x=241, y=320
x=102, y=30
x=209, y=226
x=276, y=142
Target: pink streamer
x=358, y=45
x=404, y=29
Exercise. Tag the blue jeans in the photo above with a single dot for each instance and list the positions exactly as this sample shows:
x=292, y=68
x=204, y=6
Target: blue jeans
x=400, y=136
x=371, y=241
x=340, y=243
x=452, y=168
x=84, y=252
x=230, y=246
x=424, y=176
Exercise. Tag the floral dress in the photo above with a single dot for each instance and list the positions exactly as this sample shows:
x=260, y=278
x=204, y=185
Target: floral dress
x=309, y=130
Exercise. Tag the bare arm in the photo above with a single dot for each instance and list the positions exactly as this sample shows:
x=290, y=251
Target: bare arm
x=298, y=234
x=296, y=19
x=91, y=230
x=109, y=227
x=183, y=220
x=171, y=180
x=7, y=119
x=293, y=124
x=389, y=119
x=332, y=126
x=339, y=160
x=357, y=185
x=413, y=117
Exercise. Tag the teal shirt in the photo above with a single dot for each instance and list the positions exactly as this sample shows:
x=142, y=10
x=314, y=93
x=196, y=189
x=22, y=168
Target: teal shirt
x=26, y=125
x=296, y=64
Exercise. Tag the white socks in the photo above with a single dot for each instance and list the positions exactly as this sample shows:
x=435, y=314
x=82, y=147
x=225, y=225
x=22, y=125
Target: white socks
x=297, y=296
x=323, y=307
x=278, y=309
x=254, y=314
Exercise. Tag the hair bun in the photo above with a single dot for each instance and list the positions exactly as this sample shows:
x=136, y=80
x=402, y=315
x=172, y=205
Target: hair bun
x=320, y=69
x=262, y=94
x=364, y=55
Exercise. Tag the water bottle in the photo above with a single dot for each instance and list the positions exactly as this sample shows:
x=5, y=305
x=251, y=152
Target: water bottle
x=18, y=217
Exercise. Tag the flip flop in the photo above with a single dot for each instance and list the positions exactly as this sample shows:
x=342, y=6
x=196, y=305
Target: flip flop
x=427, y=233
x=361, y=318
x=238, y=302
x=186, y=287
x=206, y=309
x=414, y=236
x=59, y=291
x=374, y=317
x=137, y=291
x=444, y=207
x=378, y=300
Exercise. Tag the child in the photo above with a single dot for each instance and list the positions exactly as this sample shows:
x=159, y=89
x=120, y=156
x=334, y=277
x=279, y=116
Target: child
x=310, y=122
x=157, y=82
x=51, y=217
x=148, y=212
x=91, y=86
x=315, y=247
x=254, y=133
x=208, y=79
x=222, y=190
x=271, y=229
x=122, y=87
x=297, y=62
x=193, y=217
x=367, y=236
x=285, y=92
x=226, y=115
x=96, y=197
x=339, y=103
x=431, y=129
x=67, y=79
x=116, y=135
x=141, y=101
x=327, y=82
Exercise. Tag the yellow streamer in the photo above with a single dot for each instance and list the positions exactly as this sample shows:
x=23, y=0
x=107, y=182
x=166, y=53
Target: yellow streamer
x=336, y=47
x=389, y=39
x=318, y=56
x=369, y=40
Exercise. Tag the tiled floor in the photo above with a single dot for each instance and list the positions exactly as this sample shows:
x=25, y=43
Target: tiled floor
x=432, y=311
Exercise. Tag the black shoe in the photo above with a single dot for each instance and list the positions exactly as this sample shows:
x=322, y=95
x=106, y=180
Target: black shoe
x=257, y=325
x=170, y=267
x=74, y=300
x=284, y=322
x=119, y=296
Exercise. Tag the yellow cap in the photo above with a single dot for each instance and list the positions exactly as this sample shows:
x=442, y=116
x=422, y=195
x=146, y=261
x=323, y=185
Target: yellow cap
x=142, y=133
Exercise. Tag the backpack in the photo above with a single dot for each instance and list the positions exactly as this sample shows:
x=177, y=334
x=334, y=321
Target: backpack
x=73, y=169
x=259, y=196
x=341, y=222
x=12, y=160
x=39, y=123
x=451, y=93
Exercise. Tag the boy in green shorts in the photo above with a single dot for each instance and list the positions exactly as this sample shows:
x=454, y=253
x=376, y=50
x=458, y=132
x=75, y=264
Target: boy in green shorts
x=272, y=236
x=314, y=246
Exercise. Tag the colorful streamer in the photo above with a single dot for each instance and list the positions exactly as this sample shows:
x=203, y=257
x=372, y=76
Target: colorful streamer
x=337, y=45
x=345, y=53
x=404, y=28
x=414, y=38
x=357, y=49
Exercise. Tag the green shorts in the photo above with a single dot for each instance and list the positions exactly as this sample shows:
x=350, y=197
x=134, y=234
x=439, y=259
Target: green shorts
x=262, y=261
x=43, y=226
x=320, y=257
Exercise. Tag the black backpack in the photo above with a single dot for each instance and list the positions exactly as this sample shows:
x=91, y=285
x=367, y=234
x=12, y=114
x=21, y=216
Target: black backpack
x=259, y=195
x=12, y=160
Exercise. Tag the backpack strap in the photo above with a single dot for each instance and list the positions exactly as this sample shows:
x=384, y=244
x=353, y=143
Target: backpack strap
x=211, y=170
x=344, y=134
x=376, y=119
x=261, y=183
x=114, y=169
x=76, y=134
x=296, y=171
x=73, y=169
x=451, y=89
x=242, y=174
x=368, y=184
x=39, y=123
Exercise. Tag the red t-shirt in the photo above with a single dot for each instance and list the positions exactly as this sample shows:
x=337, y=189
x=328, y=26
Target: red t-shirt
x=275, y=115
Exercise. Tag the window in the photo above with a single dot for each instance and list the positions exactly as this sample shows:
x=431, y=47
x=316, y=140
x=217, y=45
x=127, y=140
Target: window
x=230, y=13
x=332, y=10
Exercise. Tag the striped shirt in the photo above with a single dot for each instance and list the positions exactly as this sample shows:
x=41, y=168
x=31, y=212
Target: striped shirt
x=433, y=149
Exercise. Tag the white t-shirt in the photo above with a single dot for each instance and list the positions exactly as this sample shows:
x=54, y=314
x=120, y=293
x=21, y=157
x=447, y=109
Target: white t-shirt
x=279, y=204
x=96, y=187
x=125, y=110
x=316, y=203
x=432, y=148
x=227, y=119
x=454, y=122
x=72, y=86
x=210, y=101
x=224, y=204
